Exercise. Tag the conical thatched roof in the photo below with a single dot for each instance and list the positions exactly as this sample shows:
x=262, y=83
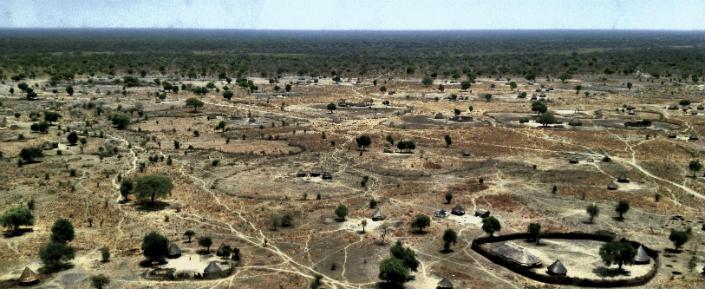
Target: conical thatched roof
x=174, y=251
x=28, y=277
x=458, y=210
x=378, y=215
x=444, y=284
x=213, y=270
x=557, y=268
x=641, y=257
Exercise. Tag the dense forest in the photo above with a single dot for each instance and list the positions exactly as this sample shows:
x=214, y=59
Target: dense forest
x=64, y=54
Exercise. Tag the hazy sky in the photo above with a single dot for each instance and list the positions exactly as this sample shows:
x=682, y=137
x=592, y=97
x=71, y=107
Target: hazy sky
x=357, y=14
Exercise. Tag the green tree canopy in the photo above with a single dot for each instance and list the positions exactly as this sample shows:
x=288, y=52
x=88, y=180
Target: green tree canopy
x=679, y=238
x=195, y=103
x=622, y=208
x=363, y=141
x=13, y=218
x=341, y=212
x=120, y=120
x=62, y=231
x=406, y=255
x=449, y=238
x=30, y=154
x=546, y=118
x=617, y=252
x=155, y=246
x=491, y=225
x=593, y=211
x=55, y=255
x=152, y=187
x=421, y=222
x=206, y=241
x=392, y=270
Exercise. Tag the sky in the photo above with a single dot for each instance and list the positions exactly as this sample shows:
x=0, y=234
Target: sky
x=356, y=14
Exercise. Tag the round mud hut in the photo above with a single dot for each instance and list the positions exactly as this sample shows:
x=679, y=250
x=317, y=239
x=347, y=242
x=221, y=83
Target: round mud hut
x=444, y=284
x=557, y=269
x=28, y=277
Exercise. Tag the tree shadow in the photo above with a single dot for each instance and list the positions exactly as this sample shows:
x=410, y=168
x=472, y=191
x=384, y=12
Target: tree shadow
x=610, y=272
x=55, y=268
x=147, y=206
x=19, y=232
x=618, y=219
x=672, y=251
x=203, y=252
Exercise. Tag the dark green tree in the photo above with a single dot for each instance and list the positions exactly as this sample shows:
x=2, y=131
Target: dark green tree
x=593, y=210
x=450, y=237
x=622, y=208
x=152, y=187
x=100, y=281
x=55, y=255
x=341, y=212
x=13, y=218
x=207, y=242
x=406, y=255
x=617, y=252
x=393, y=271
x=331, y=107
x=491, y=225
x=72, y=138
x=421, y=222
x=195, y=103
x=30, y=155
x=679, y=238
x=62, y=231
x=534, y=230
x=363, y=141
x=155, y=246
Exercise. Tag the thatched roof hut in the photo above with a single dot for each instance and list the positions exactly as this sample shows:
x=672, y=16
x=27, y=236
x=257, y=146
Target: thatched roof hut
x=482, y=213
x=612, y=186
x=641, y=257
x=213, y=270
x=623, y=178
x=444, y=284
x=517, y=255
x=28, y=277
x=458, y=210
x=174, y=251
x=442, y=213
x=378, y=215
x=557, y=268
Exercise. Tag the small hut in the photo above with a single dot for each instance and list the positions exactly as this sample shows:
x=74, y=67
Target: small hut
x=327, y=176
x=573, y=160
x=444, y=284
x=458, y=210
x=641, y=257
x=213, y=271
x=442, y=213
x=575, y=122
x=482, y=213
x=623, y=178
x=557, y=269
x=612, y=186
x=378, y=215
x=28, y=277
x=174, y=251
x=439, y=116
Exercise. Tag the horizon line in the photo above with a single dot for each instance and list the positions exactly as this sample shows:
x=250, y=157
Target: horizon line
x=354, y=30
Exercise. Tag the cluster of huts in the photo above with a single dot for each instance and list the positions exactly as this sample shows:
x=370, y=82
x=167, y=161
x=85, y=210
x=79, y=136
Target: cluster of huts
x=458, y=210
x=349, y=103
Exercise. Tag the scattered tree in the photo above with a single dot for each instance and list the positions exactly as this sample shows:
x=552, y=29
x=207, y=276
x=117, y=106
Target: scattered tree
x=189, y=234
x=534, y=230
x=491, y=225
x=100, y=281
x=450, y=237
x=421, y=222
x=331, y=107
x=449, y=197
x=448, y=140
x=55, y=255
x=126, y=187
x=617, y=252
x=195, y=103
x=363, y=141
x=622, y=208
x=679, y=238
x=155, y=247
x=206, y=241
x=341, y=212
x=62, y=231
x=152, y=187
x=13, y=218
x=72, y=138
x=30, y=155
x=593, y=211
x=393, y=271
x=120, y=120
x=694, y=166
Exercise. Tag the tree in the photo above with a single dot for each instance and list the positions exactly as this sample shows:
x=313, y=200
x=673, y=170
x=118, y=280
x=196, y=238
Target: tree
x=694, y=166
x=513, y=85
x=363, y=141
x=441, y=87
x=420, y=222
x=488, y=97
x=69, y=90
x=448, y=140
x=617, y=252
x=13, y=218
x=341, y=212
x=189, y=234
x=221, y=126
x=449, y=197
x=450, y=237
x=51, y=116
x=622, y=208
x=679, y=238
x=55, y=255
x=72, y=138
x=195, y=103
x=153, y=186
x=287, y=88
x=100, y=281
x=406, y=146
x=206, y=241
x=228, y=94
x=120, y=120
x=29, y=155
x=534, y=230
x=393, y=271
x=62, y=231
x=363, y=223
x=155, y=246
x=465, y=85
x=104, y=254
x=593, y=210
x=578, y=88
x=546, y=118
x=126, y=187
x=331, y=107
x=427, y=81
x=629, y=85
x=539, y=107
x=41, y=127
x=491, y=225
x=406, y=255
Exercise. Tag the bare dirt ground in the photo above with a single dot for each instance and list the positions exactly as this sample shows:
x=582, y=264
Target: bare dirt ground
x=254, y=177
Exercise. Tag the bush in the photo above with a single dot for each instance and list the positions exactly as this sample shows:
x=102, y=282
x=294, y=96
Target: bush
x=55, y=255
x=341, y=212
x=99, y=281
x=120, y=120
x=13, y=218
